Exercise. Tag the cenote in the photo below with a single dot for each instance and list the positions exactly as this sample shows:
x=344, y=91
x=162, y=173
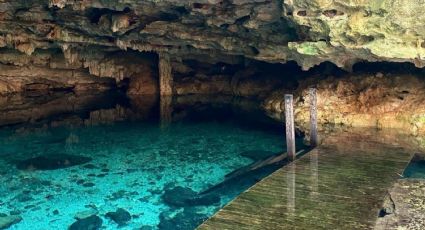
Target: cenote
x=212, y=114
x=133, y=172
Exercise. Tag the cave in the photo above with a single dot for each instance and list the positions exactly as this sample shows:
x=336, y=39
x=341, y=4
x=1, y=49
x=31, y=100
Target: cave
x=218, y=114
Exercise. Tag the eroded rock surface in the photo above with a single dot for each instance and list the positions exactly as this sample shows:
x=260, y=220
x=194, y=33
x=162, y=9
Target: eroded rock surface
x=384, y=95
x=359, y=100
x=308, y=32
x=217, y=47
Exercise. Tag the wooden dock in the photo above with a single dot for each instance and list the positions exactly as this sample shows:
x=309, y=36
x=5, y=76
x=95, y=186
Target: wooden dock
x=340, y=184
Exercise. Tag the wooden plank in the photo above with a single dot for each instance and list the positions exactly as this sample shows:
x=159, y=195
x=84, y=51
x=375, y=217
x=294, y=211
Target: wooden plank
x=326, y=189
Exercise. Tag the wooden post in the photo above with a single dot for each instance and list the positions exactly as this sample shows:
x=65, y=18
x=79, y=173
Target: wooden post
x=165, y=75
x=313, y=117
x=290, y=129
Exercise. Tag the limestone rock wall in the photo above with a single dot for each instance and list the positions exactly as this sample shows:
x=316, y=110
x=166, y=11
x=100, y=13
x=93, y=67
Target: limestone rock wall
x=215, y=47
x=307, y=31
x=378, y=95
x=380, y=100
x=75, y=70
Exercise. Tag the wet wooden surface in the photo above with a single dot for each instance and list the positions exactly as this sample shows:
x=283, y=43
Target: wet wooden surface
x=339, y=185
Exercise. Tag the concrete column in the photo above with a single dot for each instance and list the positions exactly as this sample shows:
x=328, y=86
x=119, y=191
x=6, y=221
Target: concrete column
x=165, y=75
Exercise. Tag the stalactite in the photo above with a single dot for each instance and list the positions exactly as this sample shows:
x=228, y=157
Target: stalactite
x=26, y=48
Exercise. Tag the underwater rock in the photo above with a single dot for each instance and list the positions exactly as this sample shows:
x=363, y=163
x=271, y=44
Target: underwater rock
x=8, y=221
x=22, y=197
x=181, y=197
x=85, y=214
x=88, y=185
x=188, y=219
x=15, y=212
x=147, y=227
x=117, y=195
x=90, y=166
x=121, y=216
x=52, y=162
x=256, y=155
x=92, y=222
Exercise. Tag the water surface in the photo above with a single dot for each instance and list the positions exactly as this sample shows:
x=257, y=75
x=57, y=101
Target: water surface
x=416, y=167
x=96, y=161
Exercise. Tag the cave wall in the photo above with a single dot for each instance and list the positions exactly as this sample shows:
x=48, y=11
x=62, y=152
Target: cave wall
x=90, y=69
x=378, y=100
x=307, y=31
x=377, y=95
x=226, y=47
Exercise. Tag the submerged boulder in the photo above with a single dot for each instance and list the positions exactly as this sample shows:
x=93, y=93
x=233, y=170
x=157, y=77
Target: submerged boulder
x=189, y=218
x=121, y=216
x=181, y=197
x=52, y=162
x=7, y=221
x=92, y=222
x=85, y=214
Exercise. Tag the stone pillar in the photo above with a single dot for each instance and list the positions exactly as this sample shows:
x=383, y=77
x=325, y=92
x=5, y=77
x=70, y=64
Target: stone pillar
x=165, y=75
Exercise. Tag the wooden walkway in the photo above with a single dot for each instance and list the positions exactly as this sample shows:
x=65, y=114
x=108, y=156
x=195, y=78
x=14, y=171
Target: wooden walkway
x=339, y=185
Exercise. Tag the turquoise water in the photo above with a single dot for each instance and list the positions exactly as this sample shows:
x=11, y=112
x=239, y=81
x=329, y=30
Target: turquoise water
x=416, y=168
x=53, y=174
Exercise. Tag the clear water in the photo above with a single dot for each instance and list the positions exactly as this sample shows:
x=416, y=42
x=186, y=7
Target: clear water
x=133, y=165
x=416, y=168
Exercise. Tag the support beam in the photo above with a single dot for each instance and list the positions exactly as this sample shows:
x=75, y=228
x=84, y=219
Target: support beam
x=165, y=75
x=290, y=129
x=314, y=141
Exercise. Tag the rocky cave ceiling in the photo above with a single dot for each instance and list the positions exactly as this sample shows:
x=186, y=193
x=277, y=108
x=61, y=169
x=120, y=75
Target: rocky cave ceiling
x=307, y=31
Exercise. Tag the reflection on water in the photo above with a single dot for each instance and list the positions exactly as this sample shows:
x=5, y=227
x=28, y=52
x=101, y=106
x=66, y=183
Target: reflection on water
x=341, y=184
x=314, y=170
x=291, y=187
x=105, y=159
x=166, y=110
